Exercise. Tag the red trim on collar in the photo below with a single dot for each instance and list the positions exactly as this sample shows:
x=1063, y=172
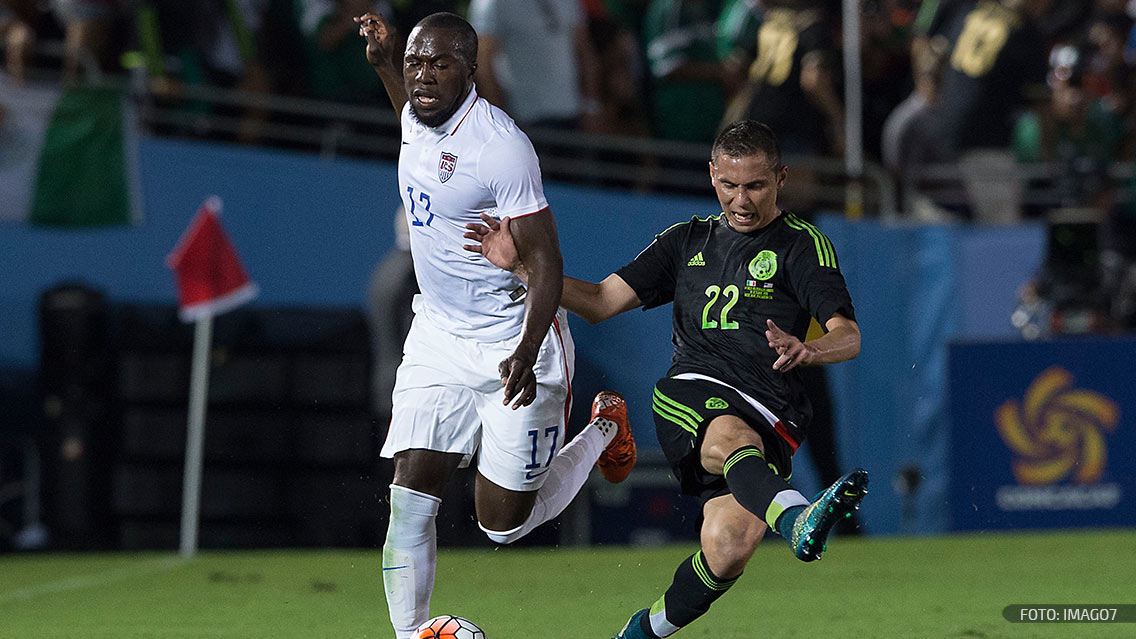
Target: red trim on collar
x=466, y=114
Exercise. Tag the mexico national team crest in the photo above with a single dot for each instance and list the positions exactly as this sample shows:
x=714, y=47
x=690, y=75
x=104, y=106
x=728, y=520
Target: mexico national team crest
x=763, y=266
x=446, y=166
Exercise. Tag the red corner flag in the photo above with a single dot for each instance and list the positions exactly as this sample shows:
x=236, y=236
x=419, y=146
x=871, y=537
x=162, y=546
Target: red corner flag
x=210, y=277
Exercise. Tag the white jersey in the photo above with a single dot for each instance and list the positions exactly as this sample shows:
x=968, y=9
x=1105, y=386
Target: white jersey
x=477, y=162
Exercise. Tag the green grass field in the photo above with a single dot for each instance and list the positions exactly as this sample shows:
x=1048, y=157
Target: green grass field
x=884, y=587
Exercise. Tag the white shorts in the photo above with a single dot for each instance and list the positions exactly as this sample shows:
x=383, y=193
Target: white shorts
x=448, y=397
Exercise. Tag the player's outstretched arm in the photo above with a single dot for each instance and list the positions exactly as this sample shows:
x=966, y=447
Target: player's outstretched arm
x=591, y=301
x=381, y=53
x=597, y=302
x=840, y=343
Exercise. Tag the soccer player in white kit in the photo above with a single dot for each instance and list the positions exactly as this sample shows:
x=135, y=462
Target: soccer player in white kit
x=476, y=326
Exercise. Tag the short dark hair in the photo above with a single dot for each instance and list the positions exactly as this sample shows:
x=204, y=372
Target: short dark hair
x=465, y=38
x=746, y=138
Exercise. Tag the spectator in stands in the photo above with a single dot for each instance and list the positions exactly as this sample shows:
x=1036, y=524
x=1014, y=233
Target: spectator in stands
x=536, y=61
x=996, y=57
x=629, y=14
x=17, y=33
x=1106, y=72
x=1085, y=279
x=622, y=83
x=792, y=80
x=910, y=137
x=335, y=69
x=1078, y=132
x=689, y=84
x=89, y=41
x=736, y=34
x=211, y=42
x=995, y=69
x=885, y=46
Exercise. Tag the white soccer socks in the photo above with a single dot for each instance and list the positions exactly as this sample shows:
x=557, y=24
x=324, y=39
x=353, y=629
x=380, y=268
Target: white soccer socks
x=607, y=428
x=409, y=556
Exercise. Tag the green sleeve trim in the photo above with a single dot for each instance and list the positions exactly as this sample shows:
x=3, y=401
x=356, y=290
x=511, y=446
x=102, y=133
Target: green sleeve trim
x=826, y=254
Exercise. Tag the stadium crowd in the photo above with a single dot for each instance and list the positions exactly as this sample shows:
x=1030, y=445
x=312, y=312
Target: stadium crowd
x=985, y=86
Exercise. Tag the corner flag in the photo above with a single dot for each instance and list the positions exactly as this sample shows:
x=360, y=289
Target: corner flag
x=210, y=276
x=211, y=280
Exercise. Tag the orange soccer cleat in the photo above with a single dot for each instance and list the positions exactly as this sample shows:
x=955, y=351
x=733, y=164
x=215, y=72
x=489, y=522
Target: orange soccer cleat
x=618, y=458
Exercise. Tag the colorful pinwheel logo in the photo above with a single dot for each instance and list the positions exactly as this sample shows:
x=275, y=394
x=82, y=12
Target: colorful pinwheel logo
x=1058, y=430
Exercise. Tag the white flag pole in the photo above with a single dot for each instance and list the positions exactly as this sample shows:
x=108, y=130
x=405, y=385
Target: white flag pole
x=195, y=435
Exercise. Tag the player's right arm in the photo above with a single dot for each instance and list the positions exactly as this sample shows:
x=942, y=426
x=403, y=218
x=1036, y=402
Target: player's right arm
x=596, y=302
x=381, y=40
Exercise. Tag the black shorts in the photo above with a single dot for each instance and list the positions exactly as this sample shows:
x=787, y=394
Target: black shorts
x=683, y=408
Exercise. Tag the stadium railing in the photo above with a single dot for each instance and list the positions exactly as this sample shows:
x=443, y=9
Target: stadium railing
x=987, y=187
x=335, y=129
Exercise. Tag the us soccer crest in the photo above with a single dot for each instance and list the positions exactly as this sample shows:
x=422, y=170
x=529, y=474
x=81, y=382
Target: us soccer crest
x=446, y=166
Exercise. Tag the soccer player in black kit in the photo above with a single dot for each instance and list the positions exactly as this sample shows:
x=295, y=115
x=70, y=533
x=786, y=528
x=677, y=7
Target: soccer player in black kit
x=731, y=410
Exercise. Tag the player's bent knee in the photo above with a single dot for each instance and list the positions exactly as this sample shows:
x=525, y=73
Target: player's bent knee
x=504, y=537
x=733, y=541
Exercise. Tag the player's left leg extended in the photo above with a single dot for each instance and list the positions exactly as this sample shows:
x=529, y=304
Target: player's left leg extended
x=758, y=486
x=562, y=477
x=807, y=530
x=729, y=536
x=734, y=450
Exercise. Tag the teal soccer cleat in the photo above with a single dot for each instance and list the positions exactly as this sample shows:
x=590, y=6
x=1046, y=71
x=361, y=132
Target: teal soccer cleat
x=634, y=627
x=811, y=528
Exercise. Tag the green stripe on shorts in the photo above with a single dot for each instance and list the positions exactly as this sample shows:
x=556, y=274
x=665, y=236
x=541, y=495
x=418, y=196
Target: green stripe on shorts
x=671, y=416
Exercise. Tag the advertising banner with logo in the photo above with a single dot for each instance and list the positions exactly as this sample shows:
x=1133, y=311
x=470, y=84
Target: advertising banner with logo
x=1042, y=434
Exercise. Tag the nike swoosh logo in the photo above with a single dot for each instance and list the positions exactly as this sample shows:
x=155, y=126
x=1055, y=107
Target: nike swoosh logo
x=406, y=143
x=530, y=475
x=851, y=493
x=394, y=568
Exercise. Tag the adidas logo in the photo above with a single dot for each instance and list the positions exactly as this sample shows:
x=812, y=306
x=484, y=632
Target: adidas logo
x=697, y=260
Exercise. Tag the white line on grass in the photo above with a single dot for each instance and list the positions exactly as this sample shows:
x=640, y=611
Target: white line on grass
x=89, y=581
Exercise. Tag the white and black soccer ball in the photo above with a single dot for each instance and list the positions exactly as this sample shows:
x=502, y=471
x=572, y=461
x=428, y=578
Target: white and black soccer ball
x=449, y=627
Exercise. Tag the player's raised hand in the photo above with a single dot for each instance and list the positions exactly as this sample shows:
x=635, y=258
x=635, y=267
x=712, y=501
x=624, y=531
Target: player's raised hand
x=518, y=377
x=790, y=350
x=494, y=242
x=380, y=39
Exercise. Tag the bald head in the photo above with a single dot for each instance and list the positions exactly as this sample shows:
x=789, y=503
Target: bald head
x=460, y=34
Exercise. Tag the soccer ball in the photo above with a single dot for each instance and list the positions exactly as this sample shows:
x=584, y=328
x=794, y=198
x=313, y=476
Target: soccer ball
x=449, y=627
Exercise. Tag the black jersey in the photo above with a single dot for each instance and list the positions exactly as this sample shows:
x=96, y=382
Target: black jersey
x=725, y=284
x=997, y=57
x=785, y=39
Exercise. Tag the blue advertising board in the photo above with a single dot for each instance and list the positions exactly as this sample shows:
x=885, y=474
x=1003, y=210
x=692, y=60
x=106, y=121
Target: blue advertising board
x=1043, y=434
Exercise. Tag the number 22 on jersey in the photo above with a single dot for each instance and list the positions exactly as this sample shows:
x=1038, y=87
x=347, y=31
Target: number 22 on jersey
x=730, y=295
